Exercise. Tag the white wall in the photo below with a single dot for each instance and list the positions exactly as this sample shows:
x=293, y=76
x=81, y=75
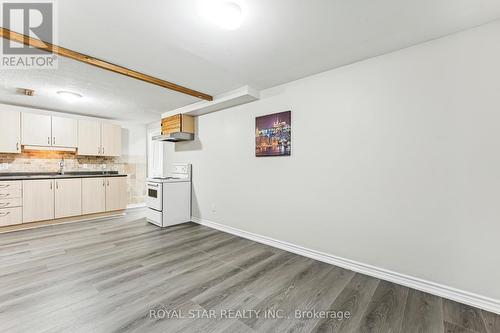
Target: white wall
x=134, y=160
x=395, y=163
x=134, y=140
x=156, y=164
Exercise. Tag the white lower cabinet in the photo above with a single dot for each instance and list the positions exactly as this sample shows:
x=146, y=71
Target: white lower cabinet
x=116, y=193
x=38, y=200
x=104, y=194
x=68, y=197
x=93, y=195
x=47, y=199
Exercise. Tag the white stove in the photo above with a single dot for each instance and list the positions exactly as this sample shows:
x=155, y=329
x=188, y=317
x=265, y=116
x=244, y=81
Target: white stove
x=169, y=198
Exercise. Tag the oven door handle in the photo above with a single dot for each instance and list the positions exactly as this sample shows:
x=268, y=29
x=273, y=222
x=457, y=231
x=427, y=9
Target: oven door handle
x=153, y=185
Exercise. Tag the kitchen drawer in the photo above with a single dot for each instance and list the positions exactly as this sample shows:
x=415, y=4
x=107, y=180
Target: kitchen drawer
x=6, y=186
x=9, y=203
x=11, y=216
x=154, y=217
x=10, y=193
x=10, y=190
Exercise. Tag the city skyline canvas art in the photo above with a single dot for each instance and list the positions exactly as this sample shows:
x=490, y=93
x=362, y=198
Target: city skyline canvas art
x=273, y=134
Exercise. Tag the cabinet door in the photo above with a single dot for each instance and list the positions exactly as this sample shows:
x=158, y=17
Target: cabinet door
x=68, y=197
x=36, y=129
x=10, y=132
x=93, y=195
x=64, y=132
x=89, y=137
x=111, y=139
x=116, y=193
x=171, y=124
x=177, y=123
x=38, y=200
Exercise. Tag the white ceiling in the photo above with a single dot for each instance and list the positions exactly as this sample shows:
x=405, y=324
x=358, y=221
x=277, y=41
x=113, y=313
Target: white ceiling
x=279, y=41
x=105, y=94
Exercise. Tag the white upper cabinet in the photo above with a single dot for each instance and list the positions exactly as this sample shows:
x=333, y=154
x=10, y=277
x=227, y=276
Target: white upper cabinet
x=64, y=132
x=10, y=132
x=36, y=129
x=111, y=140
x=89, y=137
x=99, y=139
x=43, y=130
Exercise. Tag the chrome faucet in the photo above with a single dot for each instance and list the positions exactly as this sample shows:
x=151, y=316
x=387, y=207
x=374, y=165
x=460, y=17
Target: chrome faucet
x=61, y=166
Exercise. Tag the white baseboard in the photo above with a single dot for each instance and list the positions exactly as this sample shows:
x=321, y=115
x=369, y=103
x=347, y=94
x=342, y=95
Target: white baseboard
x=433, y=288
x=136, y=205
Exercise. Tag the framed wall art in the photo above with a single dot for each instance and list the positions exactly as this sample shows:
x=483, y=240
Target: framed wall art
x=273, y=134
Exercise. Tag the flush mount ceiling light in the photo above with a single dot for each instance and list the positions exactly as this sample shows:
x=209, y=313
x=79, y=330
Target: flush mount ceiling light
x=69, y=95
x=225, y=14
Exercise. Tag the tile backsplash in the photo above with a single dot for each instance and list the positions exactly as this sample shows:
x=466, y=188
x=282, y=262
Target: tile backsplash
x=48, y=161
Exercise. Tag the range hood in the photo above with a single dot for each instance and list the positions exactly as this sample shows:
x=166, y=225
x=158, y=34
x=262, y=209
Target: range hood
x=175, y=137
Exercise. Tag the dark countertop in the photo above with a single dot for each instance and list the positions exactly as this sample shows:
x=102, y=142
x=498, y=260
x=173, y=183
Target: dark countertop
x=9, y=176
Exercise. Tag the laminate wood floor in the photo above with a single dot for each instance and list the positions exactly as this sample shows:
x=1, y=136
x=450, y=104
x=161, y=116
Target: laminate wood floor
x=125, y=275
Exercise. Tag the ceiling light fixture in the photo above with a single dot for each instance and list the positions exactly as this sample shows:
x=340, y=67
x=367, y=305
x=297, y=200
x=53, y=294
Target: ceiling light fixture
x=226, y=14
x=69, y=95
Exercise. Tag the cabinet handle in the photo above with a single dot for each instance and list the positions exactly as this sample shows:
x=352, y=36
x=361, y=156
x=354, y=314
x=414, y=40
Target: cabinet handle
x=108, y=182
x=51, y=185
x=99, y=150
x=57, y=185
x=48, y=140
x=54, y=140
x=4, y=214
x=104, y=182
x=4, y=186
x=103, y=150
x=17, y=146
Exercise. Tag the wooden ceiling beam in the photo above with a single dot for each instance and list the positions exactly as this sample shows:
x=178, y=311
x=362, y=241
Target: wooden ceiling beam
x=64, y=52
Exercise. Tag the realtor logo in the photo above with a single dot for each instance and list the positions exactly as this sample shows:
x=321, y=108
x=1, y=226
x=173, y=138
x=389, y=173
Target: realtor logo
x=34, y=20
